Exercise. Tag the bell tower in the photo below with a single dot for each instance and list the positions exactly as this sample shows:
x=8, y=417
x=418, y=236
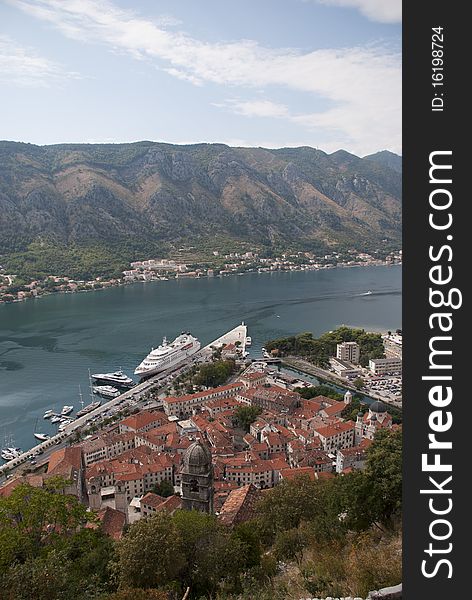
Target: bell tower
x=197, y=478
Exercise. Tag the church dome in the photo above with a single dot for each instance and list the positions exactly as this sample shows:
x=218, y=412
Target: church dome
x=197, y=458
x=378, y=407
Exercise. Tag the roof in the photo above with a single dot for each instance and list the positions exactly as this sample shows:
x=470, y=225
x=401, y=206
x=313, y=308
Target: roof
x=239, y=506
x=334, y=409
x=204, y=394
x=197, y=458
x=143, y=418
x=152, y=499
x=7, y=488
x=112, y=522
x=61, y=461
x=291, y=474
x=378, y=407
x=334, y=429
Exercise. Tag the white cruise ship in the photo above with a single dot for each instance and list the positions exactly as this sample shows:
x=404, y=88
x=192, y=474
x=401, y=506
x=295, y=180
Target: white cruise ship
x=168, y=355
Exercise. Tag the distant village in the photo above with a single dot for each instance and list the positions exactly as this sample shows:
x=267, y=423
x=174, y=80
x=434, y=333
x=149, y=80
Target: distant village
x=192, y=452
x=164, y=269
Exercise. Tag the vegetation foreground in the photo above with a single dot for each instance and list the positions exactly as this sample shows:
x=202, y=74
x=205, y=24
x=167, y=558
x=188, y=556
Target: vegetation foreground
x=327, y=537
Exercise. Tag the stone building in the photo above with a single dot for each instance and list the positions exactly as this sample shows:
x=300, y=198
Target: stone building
x=197, y=478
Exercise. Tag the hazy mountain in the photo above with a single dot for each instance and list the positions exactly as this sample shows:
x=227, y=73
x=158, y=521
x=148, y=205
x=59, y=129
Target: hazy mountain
x=147, y=193
x=387, y=159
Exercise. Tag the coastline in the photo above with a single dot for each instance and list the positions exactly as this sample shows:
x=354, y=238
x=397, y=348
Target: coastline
x=121, y=283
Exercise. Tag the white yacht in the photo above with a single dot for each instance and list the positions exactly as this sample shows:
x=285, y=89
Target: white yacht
x=64, y=424
x=48, y=414
x=41, y=436
x=10, y=452
x=248, y=341
x=168, y=355
x=107, y=391
x=118, y=378
x=66, y=410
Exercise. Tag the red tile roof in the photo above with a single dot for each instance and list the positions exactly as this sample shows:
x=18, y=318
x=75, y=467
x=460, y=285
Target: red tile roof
x=291, y=474
x=112, y=522
x=239, y=506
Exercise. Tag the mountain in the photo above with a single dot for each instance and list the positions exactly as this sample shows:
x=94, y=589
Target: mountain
x=133, y=200
x=386, y=159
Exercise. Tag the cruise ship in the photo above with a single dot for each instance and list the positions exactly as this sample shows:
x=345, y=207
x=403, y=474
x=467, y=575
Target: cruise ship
x=118, y=379
x=168, y=355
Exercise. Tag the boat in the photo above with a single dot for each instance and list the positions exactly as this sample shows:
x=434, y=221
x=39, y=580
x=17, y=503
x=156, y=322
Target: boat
x=48, y=414
x=10, y=452
x=168, y=355
x=66, y=410
x=86, y=409
x=248, y=341
x=118, y=379
x=38, y=435
x=64, y=424
x=56, y=419
x=107, y=391
x=6, y=455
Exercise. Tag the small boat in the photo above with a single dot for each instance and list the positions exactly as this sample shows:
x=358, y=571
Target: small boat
x=38, y=435
x=64, y=424
x=66, y=410
x=56, y=419
x=10, y=452
x=248, y=341
x=48, y=414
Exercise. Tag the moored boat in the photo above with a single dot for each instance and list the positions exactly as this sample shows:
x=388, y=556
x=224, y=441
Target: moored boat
x=168, y=355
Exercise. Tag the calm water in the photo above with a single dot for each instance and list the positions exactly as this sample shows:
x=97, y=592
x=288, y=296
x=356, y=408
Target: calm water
x=48, y=345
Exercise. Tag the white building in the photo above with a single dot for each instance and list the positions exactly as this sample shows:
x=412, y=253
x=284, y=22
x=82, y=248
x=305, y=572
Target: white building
x=380, y=366
x=343, y=368
x=349, y=351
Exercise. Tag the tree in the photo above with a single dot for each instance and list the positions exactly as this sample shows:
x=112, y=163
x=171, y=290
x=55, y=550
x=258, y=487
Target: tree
x=32, y=517
x=164, y=489
x=293, y=502
x=149, y=555
x=245, y=415
x=215, y=374
x=188, y=548
x=375, y=494
x=212, y=554
x=358, y=383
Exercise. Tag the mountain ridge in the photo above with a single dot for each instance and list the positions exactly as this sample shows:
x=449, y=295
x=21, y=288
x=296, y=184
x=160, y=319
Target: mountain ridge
x=157, y=195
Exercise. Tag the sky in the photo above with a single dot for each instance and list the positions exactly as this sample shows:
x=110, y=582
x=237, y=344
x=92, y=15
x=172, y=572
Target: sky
x=271, y=73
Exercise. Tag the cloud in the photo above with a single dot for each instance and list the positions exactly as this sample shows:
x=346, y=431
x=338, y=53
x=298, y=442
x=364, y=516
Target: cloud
x=360, y=85
x=22, y=66
x=384, y=11
x=255, y=108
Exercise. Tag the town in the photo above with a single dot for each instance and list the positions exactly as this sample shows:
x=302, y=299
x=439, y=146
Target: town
x=214, y=450
x=13, y=288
